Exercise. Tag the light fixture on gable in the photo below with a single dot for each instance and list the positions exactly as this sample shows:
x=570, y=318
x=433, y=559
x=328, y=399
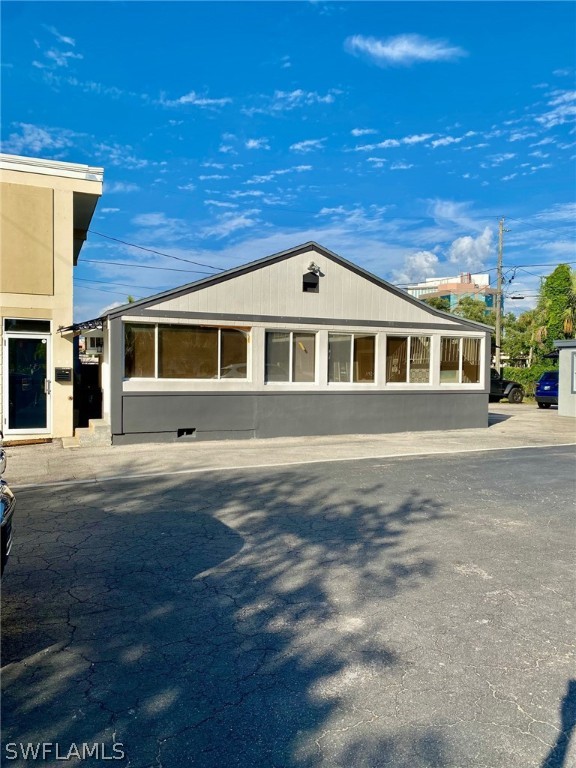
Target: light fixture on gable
x=314, y=268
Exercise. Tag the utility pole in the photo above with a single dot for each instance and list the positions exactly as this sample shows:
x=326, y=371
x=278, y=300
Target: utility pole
x=497, y=363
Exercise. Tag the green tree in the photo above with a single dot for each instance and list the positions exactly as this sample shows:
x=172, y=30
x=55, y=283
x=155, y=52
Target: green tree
x=476, y=310
x=517, y=340
x=555, y=311
x=438, y=302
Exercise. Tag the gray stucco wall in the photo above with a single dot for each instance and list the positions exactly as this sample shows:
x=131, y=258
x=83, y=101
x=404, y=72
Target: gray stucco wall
x=159, y=416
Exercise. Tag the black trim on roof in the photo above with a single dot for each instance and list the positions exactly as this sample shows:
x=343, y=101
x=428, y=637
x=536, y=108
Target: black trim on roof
x=87, y=325
x=229, y=274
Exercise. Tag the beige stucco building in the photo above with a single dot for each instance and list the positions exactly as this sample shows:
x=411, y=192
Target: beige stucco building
x=45, y=211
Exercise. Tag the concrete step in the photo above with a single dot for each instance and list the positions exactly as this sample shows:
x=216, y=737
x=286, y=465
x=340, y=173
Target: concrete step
x=70, y=442
x=96, y=433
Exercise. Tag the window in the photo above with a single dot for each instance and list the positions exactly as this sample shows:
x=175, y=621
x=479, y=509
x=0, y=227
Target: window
x=408, y=359
x=470, y=361
x=460, y=360
x=351, y=357
x=310, y=283
x=26, y=326
x=185, y=352
x=139, y=350
x=290, y=356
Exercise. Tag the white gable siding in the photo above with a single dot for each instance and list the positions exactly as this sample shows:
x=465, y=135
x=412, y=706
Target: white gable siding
x=276, y=290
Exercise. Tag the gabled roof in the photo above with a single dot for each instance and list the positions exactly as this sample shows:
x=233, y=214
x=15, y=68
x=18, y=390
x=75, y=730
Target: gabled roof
x=230, y=274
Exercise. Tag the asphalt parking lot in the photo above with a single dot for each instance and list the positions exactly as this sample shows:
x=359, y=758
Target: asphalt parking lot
x=412, y=612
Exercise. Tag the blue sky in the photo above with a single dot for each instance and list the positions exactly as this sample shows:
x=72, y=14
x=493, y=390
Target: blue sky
x=395, y=134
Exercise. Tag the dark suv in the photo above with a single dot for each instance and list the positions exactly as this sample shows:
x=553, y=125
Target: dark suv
x=547, y=389
x=7, y=504
x=500, y=388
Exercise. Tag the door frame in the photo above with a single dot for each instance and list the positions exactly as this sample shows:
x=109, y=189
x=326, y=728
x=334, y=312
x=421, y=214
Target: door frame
x=7, y=335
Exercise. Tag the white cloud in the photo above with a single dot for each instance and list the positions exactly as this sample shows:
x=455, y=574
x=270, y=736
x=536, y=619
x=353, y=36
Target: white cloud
x=521, y=135
x=496, y=160
x=309, y=145
x=194, y=99
x=213, y=176
x=230, y=223
x=402, y=50
x=417, y=267
x=389, y=143
x=564, y=109
x=286, y=101
x=61, y=38
x=38, y=139
x=160, y=227
x=119, y=186
x=543, y=142
x=257, y=144
x=109, y=210
x=562, y=212
x=417, y=139
x=401, y=166
x=471, y=252
x=281, y=172
x=448, y=212
x=187, y=187
x=377, y=162
x=362, y=131
x=218, y=204
x=250, y=193
x=118, y=155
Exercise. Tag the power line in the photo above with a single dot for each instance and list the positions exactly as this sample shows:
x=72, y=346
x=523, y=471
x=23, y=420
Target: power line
x=152, y=250
x=536, y=226
x=142, y=266
x=126, y=285
x=103, y=290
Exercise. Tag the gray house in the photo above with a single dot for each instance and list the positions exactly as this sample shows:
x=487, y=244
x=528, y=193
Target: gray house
x=302, y=342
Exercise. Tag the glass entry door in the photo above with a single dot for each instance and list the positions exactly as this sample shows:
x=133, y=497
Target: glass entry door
x=26, y=383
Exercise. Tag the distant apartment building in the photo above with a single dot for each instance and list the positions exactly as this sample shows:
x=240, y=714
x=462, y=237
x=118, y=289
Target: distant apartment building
x=45, y=209
x=455, y=289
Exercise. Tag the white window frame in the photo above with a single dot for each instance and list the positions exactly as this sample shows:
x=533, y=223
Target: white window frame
x=218, y=328
x=461, y=383
x=291, y=356
x=409, y=336
x=352, y=335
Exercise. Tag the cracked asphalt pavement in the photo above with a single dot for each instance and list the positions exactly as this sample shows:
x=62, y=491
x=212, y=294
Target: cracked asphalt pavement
x=411, y=612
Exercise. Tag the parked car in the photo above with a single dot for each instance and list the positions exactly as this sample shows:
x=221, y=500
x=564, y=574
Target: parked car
x=500, y=387
x=547, y=389
x=7, y=504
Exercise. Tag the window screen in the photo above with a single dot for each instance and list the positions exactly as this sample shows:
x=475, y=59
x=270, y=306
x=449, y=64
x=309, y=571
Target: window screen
x=233, y=354
x=339, y=356
x=364, y=360
x=277, y=356
x=396, y=358
x=419, y=359
x=470, y=361
x=185, y=352
x=139, y=350
x=449, y=361
x=303, y=357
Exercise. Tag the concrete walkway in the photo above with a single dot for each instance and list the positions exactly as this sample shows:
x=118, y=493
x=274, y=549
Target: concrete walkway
x=509, y=427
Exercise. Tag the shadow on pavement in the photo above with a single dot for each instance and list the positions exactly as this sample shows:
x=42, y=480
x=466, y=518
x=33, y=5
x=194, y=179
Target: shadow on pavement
x=214, y=621
x=556, y=758
x=497, y=418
